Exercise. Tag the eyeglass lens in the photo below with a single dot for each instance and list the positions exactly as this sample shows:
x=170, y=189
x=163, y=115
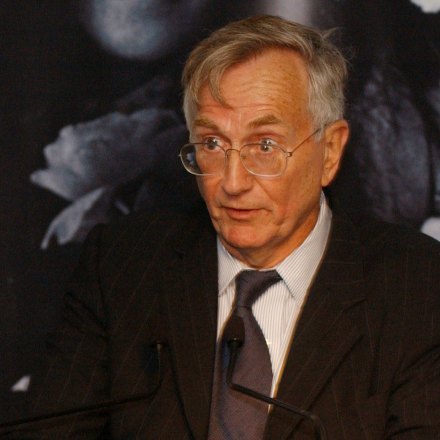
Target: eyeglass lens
x=202, y=159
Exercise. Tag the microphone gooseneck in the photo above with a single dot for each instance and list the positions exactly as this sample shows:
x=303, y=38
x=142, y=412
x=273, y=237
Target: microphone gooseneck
x=235, y=335
x=104, y=405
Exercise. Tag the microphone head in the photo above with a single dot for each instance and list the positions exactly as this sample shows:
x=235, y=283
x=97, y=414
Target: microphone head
x=234, y=331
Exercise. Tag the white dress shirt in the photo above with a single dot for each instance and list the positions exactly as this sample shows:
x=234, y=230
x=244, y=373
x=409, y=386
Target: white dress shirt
x=277, y=310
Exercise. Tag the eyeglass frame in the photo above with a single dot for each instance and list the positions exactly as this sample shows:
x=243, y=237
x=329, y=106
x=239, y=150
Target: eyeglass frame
x=287, y=155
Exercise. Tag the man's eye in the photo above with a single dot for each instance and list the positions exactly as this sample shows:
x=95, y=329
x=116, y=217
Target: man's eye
x=212, y=143
x=266, y=145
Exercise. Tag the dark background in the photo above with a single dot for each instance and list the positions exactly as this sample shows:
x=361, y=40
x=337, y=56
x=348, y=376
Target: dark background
x=53, y=74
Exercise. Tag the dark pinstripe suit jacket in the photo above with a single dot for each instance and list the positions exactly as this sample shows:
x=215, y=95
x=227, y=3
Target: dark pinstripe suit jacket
x=365, y=357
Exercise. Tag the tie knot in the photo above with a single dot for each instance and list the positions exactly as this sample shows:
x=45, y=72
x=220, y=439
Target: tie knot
x=250, y=284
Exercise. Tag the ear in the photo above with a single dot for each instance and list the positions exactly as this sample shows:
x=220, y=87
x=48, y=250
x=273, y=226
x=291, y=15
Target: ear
x=335, y=137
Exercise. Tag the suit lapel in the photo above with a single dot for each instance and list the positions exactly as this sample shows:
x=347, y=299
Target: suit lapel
x=326, y=330
x=191, y=295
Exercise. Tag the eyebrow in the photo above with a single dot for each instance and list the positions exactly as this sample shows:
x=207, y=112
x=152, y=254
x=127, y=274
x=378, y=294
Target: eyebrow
x=256, y=123
x=264, y=120
x=204, y=122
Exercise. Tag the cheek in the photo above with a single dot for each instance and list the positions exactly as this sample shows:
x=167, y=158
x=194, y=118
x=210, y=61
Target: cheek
x=281, y=199
x=200, y=186
x=299, y=193
x=207, y=188
x=311, y=172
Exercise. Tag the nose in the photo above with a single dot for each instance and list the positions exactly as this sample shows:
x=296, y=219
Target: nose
x=236, y=179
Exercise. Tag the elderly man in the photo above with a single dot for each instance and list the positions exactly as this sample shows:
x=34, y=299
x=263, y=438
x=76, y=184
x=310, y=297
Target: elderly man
x=337, y=317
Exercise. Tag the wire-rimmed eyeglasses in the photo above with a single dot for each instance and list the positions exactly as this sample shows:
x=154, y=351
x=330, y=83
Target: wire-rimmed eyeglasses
x=263, y=159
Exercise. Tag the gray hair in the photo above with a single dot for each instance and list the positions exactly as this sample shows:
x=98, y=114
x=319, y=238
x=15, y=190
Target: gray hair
x=240, y=40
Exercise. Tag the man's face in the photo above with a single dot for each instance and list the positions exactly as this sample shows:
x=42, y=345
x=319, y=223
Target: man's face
x=261, y=220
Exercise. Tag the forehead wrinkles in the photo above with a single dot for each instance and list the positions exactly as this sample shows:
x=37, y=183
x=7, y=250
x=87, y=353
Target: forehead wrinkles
x=277, y=77
x=272, y=83
x=262, y=92
x=227, y=120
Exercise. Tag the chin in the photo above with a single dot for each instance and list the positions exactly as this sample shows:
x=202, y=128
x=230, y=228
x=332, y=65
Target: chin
x=242, y=237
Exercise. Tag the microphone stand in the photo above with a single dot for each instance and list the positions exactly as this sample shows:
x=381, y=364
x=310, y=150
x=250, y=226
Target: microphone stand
x=234, y=345
x=97, y=406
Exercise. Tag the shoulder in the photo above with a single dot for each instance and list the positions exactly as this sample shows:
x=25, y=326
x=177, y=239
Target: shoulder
x=145, y=235
x=395, y=254
x=379, y=237
x=152, y=227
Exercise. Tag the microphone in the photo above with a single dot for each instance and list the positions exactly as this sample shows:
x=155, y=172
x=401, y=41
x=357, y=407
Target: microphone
x=234, y=334
x=104, y=405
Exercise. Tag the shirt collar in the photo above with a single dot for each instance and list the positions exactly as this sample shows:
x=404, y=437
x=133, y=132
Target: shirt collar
x=297, y=268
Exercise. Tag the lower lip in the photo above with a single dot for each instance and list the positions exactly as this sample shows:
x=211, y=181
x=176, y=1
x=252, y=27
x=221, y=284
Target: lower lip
x=241, y=214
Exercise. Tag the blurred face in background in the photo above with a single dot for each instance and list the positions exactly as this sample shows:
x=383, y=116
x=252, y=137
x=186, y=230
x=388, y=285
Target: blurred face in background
x=150, y=29
x=141, y=29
